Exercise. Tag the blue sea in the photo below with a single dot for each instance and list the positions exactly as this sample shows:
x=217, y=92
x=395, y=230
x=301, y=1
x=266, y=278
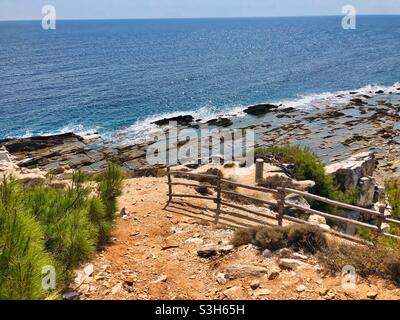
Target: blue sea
x=116, y=76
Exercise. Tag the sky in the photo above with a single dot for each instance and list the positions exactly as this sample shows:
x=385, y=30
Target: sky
x=139, y=9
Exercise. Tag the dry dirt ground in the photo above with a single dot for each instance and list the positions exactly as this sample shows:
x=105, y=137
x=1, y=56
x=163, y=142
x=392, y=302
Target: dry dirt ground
x=153, y=255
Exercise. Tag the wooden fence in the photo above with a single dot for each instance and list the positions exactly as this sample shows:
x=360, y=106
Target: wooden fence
x=217, y=183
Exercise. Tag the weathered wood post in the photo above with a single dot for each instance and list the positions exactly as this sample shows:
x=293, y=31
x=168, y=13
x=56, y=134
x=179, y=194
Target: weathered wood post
x=169, y=184
x=259, y=170
x=281, y=205
x=380, y=218
x=218, y=199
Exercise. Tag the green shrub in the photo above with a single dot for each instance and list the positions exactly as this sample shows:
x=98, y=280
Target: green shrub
x=110, y=188
x=98, y=217
x=43, y=226
x=392, y=188
x=69, y=234
x=309, y=167
x=22, y=254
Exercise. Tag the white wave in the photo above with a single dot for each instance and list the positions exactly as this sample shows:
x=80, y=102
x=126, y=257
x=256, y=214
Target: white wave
x=140, y=130
x=78, y=129
x=320, y=100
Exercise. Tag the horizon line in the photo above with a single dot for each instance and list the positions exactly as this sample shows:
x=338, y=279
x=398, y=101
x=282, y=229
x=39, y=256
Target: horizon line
x=199, y=18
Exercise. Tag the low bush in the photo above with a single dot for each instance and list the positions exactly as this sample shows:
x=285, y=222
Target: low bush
x=299, y=237
x=22, y=252
x=307, y=166
x=380, y=260
x=110, y=188
x=244, y=236
x=392, y=188
x=43, y=226
x=308, y=238
x=271, y=238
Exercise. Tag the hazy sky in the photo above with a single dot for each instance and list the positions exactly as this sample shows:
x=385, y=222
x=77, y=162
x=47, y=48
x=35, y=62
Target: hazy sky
x=124, y=9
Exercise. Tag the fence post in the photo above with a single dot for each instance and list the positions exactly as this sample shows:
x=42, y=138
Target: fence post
x=218, y=199
x=380, y=219
x=259, y=170
x=169, y=184
x=281, y=205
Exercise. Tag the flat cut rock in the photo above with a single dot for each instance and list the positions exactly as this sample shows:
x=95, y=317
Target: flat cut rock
x=243, y=270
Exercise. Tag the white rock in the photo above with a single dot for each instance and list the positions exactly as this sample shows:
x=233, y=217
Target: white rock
x=291, y=264
x=266, y=253
x=262, y=292
x=300, y=256
x=88, y=269
x=234, y=292
x=117, y=288
x=226, y=248
x=285, y=253
x=221, y=278
x=195, y=240
x=301, y=288
x=162, y=278
x=348, y=172
x=244, y=270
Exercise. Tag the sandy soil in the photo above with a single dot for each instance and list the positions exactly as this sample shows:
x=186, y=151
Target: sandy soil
x=154, y=256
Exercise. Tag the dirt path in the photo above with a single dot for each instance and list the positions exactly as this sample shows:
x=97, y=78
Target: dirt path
x=154, y=256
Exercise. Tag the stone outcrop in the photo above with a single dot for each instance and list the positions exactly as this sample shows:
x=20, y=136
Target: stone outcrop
x=181, y=120
x=349, y=172
x=243, y=270
x=260, y=109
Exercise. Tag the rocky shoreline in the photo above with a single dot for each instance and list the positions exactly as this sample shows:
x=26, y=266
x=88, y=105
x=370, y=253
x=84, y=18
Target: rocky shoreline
x=366, y=122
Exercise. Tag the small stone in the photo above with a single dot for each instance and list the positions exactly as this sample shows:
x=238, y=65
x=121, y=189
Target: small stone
x=285, y=253
x=254, y=284
x=226, y=249
x=262, y=292
x=169, y=244
x=124, y=212
x=330, y=296
x=236, y=271
x=266, y=253
x=221, y=278
x=71, y=295
x=88, y=269
x=163, y=278
x=234, y=293
x=301, y=288
x=323, y=292
x=372, y=295
x=129, y=281
x=117, y=288
x=207, y=251
x=99, y=277
x=291, y=264
x=273, y=274
x=195, y=240
x=300, y=256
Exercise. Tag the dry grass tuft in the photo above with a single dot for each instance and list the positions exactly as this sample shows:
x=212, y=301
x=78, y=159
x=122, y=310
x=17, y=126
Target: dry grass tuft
x=300, y=237
x=378, y=260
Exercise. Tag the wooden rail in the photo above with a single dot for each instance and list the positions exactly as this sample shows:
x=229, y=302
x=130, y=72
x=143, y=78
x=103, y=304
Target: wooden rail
x=217, y=183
